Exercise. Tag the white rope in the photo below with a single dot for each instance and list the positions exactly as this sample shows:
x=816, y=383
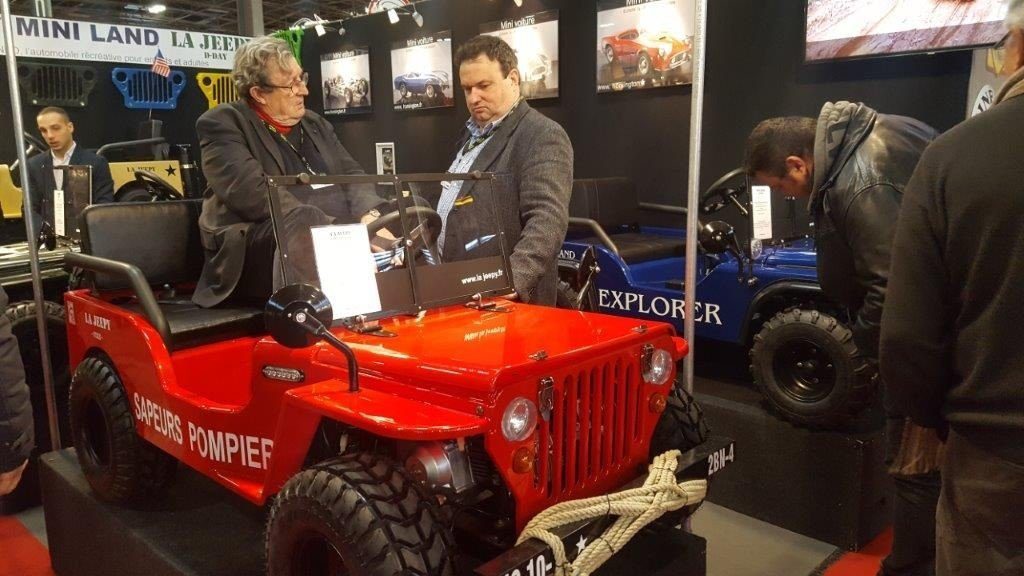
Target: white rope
x=635, y=509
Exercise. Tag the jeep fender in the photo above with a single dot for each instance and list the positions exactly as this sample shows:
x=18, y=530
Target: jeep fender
x=809, y=289
x=380, y=413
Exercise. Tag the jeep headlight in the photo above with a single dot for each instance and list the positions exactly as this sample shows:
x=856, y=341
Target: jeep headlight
x=662, y=52
x=520, y=419
x=657, y=364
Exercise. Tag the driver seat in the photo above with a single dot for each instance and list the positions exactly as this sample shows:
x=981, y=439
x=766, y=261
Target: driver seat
x=613, y=204
x=161, y=239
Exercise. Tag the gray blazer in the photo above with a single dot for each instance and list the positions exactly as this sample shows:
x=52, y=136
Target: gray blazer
x=532, y=159
x=239, y=154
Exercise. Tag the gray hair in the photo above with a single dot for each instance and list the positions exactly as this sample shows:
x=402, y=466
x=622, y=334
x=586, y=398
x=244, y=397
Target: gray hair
x=1015, y=14
x=251, y=61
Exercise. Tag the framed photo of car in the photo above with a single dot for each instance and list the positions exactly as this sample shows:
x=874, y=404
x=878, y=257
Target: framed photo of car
x=644, y=44
x=421, y=72
x=346, y=81
x=534, y=37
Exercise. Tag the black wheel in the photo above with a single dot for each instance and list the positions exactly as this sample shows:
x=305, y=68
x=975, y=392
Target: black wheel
x=133, y=192
x=358, y=514
x=643, y=65
x=806, y=365
x=567, y=297
x=119, y=465
x=681, y=427
x=430, y=91
x=403, y=89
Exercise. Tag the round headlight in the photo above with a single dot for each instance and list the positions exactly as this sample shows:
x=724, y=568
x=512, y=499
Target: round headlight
x=520, y=419
x=659, y=367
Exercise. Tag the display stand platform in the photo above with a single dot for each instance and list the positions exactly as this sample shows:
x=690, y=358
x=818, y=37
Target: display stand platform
x=201, y=529
x=828, y=485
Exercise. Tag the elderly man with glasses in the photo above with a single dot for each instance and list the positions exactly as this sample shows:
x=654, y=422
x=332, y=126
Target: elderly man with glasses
x=268, y=132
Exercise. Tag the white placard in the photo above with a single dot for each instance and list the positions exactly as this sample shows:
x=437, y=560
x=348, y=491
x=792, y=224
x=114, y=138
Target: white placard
x=124, y=44
x=58, y=212
x=761, y=201
x=346, y=268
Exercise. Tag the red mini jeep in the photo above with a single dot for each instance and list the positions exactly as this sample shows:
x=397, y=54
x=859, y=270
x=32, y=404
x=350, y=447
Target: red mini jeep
x=390, y=447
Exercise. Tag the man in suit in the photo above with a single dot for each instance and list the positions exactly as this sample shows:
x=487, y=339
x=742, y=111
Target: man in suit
x=268, y=133
x=533, y=159
x=58, y=131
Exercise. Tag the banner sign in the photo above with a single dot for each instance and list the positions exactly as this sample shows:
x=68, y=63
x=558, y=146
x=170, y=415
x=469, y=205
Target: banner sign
x=70, y=40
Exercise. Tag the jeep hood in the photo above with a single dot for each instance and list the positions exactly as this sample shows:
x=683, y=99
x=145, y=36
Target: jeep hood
x=475, y=354
x=801, y=254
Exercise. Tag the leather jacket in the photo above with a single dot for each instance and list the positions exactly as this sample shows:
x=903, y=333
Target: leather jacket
x=862, y=162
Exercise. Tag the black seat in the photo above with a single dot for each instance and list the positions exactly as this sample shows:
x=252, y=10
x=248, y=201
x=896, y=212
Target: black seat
x=612, y=202
x=162, y=240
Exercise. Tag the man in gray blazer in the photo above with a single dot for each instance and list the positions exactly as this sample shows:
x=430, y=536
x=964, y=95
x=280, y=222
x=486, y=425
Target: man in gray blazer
x=532, y=158
x=267, y=133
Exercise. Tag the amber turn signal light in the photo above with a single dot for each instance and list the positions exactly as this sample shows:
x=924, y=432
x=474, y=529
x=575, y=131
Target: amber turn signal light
x=657, y=403
x=522, y=460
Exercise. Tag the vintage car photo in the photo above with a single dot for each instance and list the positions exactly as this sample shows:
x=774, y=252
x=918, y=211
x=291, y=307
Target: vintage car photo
x=422, y=72
x=346, y=82
x=534, y=37
x=856, y=28
x=644, y=46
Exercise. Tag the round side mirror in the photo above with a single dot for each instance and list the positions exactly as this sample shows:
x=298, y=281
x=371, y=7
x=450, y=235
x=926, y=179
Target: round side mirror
x=717, y=237
x=293, y=310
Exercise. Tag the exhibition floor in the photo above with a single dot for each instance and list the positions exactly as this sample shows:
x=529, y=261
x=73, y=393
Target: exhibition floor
x=737, y=546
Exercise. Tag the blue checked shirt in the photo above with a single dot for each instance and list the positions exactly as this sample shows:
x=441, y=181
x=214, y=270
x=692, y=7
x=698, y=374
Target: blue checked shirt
x=478, y=138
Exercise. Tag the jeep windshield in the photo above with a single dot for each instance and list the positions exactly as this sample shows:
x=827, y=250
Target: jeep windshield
x=406, y=260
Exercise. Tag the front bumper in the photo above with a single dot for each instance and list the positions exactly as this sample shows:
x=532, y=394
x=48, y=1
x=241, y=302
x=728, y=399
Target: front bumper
x=535, y=557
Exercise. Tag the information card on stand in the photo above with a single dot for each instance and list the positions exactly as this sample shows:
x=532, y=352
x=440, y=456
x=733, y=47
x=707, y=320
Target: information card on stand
x=761, y=200
x=346, y=268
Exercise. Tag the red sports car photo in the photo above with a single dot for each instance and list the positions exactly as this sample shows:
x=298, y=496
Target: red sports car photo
x=647, y=52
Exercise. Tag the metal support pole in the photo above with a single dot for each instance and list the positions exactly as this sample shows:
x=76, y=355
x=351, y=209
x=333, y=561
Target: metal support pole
x=696, y=130
x=250, y=17
x=30, y=227
x=42, y=8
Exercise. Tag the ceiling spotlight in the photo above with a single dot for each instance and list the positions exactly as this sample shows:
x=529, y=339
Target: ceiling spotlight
x=393, y=16
x=519, y=3
x=341, y=29
x=418, y=18
x=156, y=9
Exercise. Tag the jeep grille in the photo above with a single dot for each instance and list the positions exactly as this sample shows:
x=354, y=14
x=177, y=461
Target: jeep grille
x=596, y=419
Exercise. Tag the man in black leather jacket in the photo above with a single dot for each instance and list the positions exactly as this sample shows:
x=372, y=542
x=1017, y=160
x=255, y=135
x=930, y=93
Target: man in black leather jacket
x=16, y=432
x=853, y=163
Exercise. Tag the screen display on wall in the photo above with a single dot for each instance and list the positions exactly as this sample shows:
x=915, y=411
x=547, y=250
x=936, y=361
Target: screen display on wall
x=856, y=28
x=644, y=44
x=534, y=37
x=346, y=78
x=421, y=72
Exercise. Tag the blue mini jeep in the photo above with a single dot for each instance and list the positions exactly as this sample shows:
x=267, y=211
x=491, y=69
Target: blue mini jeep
x=764, y=298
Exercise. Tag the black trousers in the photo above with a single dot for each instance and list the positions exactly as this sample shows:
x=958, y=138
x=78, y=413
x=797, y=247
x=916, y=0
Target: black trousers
x=262, y=261
x=981, y=513
x=913, y=515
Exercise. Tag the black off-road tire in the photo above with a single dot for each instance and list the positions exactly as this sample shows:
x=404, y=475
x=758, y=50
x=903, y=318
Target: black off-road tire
x=566, y=298
x=363, y=511
x=681, y=427
x=831, y=385
x=120, y=466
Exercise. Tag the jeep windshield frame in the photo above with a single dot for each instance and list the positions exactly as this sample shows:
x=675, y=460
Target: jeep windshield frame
x=420, y=282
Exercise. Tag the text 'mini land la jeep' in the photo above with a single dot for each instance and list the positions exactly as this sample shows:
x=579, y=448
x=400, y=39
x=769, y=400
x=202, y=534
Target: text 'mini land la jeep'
x=398, y=421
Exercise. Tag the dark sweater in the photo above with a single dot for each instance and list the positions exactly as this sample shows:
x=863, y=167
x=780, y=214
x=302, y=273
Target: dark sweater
x=952, y=345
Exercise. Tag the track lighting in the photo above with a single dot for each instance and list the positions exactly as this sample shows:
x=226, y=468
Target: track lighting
x=519, y=3
x=394, y=15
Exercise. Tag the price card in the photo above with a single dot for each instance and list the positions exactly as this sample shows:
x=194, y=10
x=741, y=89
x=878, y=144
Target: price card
x=58, y=212
x=346, y=268
x=761, y=201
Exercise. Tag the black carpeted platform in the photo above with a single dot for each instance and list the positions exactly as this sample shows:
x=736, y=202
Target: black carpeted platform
x=828, y=485
x=200, y=529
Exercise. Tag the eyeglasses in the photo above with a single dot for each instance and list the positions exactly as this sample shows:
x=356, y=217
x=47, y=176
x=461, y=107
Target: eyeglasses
x=295, y=86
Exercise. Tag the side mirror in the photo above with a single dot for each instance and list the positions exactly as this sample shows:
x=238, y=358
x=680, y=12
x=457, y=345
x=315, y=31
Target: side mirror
x=293, y=313
x=298, y=315
x=717, y=237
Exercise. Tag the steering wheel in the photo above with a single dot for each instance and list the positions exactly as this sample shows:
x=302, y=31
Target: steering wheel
x=428, y=216
x=720, y=194
x=147, y=187
x=31, y=141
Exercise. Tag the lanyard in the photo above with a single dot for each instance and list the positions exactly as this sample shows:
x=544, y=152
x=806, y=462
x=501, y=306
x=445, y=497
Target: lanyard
x=292, y=146
x=475, y=141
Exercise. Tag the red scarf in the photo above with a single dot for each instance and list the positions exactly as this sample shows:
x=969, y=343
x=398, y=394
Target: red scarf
x=284, y=130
